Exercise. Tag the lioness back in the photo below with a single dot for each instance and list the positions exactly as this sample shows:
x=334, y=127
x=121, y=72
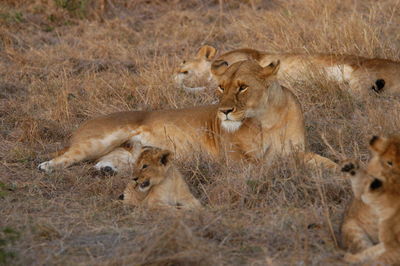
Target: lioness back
x=363, y=75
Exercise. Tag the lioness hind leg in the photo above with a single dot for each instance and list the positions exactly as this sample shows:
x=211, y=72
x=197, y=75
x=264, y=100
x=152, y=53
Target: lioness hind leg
x=78, y=152
x=73, y=154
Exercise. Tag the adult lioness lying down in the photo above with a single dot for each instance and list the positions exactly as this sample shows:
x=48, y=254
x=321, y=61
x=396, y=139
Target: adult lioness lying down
x=363, y=75
x=255, y=118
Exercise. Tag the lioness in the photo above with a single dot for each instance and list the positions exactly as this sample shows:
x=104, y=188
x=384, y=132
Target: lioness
x=362, y=74
x=375, y=211
x=157, y=182
x=256, y=118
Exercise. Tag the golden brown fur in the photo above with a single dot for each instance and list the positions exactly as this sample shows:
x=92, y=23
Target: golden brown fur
x=379, y=190
x=158, y=183
x=266, y=120
x=363, y=75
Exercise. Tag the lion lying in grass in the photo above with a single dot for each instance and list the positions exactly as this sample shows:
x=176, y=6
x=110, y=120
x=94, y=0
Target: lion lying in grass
x=363, y=75
x=375, y=220
x=256, y=118
x=158, y=183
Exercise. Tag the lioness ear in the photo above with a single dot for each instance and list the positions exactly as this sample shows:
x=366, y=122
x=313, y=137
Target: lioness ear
x=207, y=52
x=165, y=157
x=271, y=69
x=377, y=144
x=218, y=67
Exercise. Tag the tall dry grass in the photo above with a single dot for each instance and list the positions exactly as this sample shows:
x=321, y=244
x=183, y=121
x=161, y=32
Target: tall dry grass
x=61, y=65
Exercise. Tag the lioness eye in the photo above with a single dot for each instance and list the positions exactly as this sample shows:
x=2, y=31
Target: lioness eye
x=185, y=72
x=144, y=166
x=389, y=163
x=243, y=87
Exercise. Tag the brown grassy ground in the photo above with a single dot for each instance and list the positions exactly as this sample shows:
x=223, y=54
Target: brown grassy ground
x=65, y=61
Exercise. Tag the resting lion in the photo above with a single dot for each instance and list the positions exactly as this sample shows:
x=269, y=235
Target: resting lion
x=157, y=182
x=362, y=74
x=256, y=118
x=375, y=211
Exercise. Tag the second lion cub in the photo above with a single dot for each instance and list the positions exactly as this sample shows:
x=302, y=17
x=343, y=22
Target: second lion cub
x=158, y=183
x=378, y=189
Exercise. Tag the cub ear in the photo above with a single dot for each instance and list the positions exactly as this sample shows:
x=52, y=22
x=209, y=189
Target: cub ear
x=378, y=144
x=271, y=69
x=165, y=157
x=219, y=67
x=206, y=52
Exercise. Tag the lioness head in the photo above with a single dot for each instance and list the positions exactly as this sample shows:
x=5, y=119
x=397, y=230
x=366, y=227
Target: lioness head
x=245, y=90
x=196, y=71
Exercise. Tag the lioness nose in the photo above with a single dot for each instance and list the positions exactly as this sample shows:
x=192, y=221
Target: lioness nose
x=226, y=111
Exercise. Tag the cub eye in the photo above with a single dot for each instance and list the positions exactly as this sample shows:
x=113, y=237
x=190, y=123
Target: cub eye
x=185, y=72
x=243, y=87
x=389, y=163
x=220, y=88
x=144, y=166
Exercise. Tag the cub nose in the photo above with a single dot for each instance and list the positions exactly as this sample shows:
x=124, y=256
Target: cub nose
x=135, y=178
x=226, y=111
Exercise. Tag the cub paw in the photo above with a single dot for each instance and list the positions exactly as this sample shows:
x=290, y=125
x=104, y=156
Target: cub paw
x=46, y=167
x=350, y=167
x=351, y=258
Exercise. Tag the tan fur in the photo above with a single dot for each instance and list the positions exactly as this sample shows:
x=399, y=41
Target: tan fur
x=363, y=75
x=379, y=189
x=359, y=229
x=158, y=183
x=266, y=121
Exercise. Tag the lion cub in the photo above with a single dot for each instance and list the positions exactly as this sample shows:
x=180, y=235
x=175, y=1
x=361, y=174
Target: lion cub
x=379, y=190
x=157, y=182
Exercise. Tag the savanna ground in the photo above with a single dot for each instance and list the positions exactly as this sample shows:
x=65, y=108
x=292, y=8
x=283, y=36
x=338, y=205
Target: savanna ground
x=65, y=61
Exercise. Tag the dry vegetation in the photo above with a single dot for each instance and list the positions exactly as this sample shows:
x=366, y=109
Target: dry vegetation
x=65, y=61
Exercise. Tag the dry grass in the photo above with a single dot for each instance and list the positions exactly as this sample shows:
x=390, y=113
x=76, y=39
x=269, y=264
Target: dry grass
x=65, y=61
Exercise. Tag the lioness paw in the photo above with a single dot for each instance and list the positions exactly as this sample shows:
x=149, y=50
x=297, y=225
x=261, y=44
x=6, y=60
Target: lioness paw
x=350, y=167
x=46, y=167
x=106, y=168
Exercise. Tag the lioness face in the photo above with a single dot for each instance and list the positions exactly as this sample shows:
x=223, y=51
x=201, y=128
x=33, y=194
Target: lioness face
x=243, y=88
x=151, y=167
x=196, y=71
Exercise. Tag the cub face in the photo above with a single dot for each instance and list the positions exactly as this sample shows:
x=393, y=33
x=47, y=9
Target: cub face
x=385, y=166
x=385, y=155
x=191, y=72
x=151, y=167
x=244, y=88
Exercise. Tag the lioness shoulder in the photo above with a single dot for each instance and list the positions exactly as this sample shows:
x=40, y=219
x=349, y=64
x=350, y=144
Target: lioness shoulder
x=157, y=182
